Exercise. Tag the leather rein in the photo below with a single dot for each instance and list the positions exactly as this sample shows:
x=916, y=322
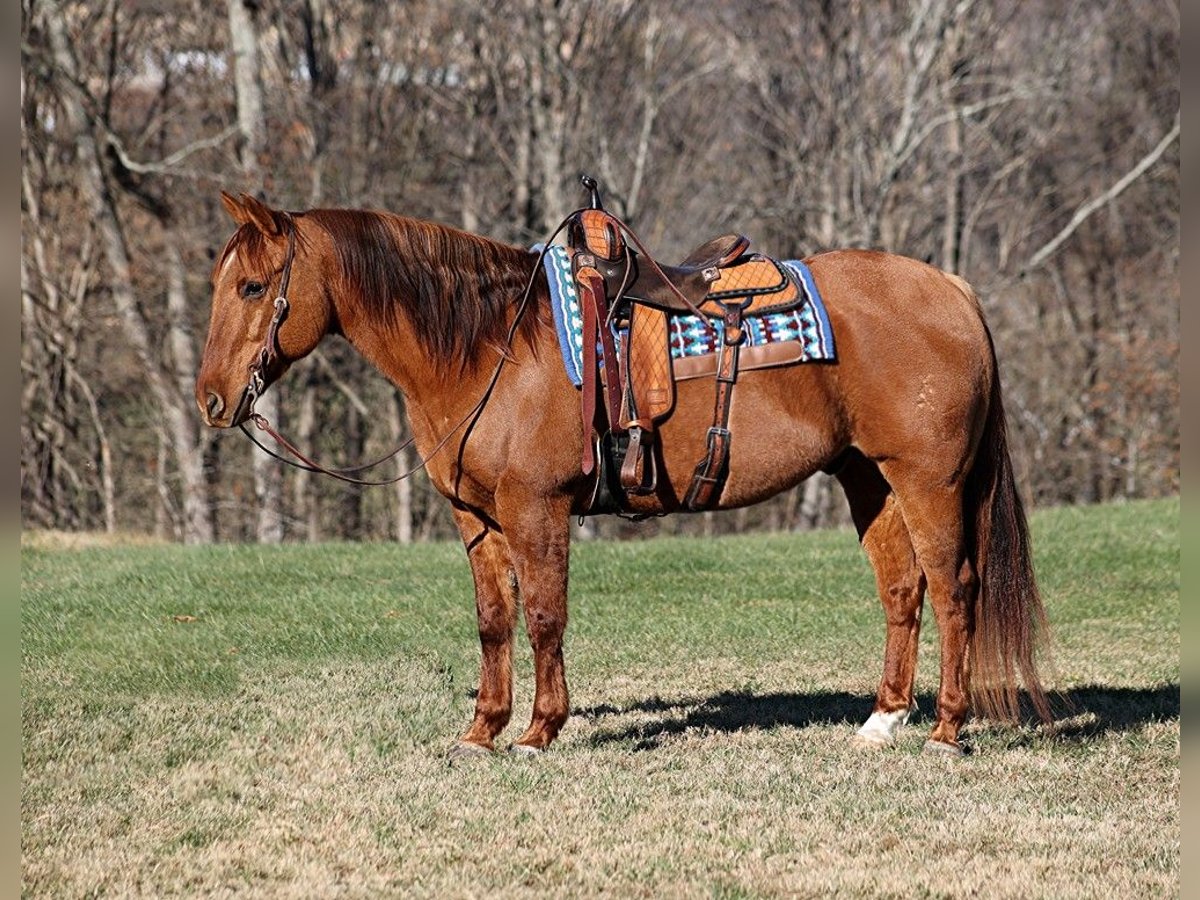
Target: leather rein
x=264, y=370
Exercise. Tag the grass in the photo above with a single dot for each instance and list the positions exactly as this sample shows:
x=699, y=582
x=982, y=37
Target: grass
x=273, y=722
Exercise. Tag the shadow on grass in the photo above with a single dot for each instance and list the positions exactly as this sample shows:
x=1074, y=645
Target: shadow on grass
x=1089, y=711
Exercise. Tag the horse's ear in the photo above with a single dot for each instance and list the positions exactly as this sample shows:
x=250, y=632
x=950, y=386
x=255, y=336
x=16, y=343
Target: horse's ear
x=267, y=220
x=248, y=210
x=234, y=207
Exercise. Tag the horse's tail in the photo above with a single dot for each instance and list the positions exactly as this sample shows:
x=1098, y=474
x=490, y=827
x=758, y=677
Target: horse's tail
x=1010, y=622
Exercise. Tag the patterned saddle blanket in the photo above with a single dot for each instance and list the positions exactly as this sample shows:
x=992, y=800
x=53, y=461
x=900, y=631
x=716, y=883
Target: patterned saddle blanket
x=785, y=321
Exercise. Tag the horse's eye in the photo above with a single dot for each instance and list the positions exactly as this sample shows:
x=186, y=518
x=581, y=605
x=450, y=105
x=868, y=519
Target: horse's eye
x=254, y=289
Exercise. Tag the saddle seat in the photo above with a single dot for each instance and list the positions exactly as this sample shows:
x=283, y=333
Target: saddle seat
x=716, y=273
x=692, y=277
x=715, y=254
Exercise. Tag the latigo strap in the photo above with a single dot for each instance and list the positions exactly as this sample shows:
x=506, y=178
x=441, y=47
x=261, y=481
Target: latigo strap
x=709, y=477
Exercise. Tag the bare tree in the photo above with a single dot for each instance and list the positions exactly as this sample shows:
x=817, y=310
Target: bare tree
x=1031, y=147
x=178, y=418
x=252, y=125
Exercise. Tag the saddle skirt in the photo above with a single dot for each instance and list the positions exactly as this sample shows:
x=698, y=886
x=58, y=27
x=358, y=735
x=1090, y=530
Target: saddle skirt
x=759, y=283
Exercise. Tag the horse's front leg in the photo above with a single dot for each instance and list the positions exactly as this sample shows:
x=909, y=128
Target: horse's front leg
x=538, y=532
x=496, y=609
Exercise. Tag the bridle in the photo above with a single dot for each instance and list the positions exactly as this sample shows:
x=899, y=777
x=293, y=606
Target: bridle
x=270, y=353
x=266, y=365
x=265, y=368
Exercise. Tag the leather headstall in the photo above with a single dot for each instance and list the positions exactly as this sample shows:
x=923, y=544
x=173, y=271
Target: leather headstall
x=265, y=367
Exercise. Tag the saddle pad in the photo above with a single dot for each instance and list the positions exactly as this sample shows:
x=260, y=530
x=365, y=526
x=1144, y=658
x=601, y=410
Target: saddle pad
x=564, y=303
x=807, y=324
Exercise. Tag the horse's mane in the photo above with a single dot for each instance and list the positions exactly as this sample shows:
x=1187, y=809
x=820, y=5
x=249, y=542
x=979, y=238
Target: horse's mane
x=456, y=288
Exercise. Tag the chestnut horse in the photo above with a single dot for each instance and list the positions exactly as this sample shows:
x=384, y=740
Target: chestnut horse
x=909, y=419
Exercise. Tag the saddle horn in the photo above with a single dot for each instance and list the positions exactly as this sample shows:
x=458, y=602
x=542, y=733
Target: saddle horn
x=593, y=187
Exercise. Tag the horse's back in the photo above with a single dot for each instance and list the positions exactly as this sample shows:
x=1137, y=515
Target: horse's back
x=890, y=299
x=915, y=364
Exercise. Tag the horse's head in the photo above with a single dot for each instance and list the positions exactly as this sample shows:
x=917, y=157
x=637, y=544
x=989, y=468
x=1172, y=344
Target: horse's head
x=266, y=258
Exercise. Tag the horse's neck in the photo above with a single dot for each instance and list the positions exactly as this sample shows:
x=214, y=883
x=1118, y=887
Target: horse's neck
x=399, y=356
x=436, y=391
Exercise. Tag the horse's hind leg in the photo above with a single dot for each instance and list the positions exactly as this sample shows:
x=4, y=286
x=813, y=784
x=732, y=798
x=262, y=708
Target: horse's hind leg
x=496, y=610
x=901, y=584
x=933, y=512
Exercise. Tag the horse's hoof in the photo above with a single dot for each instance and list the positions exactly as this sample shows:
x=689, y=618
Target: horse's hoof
x=881, y=728
x=467, y=750
x=525, y=750
x=941, y=748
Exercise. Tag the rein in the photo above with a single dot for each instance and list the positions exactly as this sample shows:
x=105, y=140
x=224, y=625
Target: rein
x=271, y=353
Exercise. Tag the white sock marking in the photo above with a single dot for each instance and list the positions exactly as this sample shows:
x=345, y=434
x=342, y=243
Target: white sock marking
x=881, y=728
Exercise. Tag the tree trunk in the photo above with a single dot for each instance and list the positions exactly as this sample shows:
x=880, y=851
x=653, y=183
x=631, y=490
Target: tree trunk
x=197, y=511
x=548, y=97
x=304, y=500
x=108, y=490
x=955, y=167
x=404, y=487
x=178, y=418
x=352, y=494
x=164, y=528
x=247, y=77
x=268, y=480
x=815, y=490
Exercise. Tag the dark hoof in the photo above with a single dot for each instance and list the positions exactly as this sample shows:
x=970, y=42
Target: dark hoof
x=467, y=750
x=941, y=748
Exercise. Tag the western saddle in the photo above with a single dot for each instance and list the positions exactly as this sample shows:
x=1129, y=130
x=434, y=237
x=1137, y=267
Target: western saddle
x=626, y=395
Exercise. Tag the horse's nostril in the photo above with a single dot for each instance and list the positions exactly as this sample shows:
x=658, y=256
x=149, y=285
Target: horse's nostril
x=215, y=404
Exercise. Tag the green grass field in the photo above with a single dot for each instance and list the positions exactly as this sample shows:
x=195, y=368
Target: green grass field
x=274, y=722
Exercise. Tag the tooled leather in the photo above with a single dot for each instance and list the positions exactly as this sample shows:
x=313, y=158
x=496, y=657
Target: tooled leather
x=719, y=251
x=650, y=363
x=600, y=234
x=759, y=278
x=591, y=285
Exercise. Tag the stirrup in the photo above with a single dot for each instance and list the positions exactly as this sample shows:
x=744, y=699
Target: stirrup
x=640, y=450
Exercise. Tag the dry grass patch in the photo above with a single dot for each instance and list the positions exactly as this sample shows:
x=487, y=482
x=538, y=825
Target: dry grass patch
x=52, y=539
x=311, y=763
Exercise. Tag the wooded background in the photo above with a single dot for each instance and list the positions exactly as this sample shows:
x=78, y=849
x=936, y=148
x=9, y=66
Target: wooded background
x=1029, y=145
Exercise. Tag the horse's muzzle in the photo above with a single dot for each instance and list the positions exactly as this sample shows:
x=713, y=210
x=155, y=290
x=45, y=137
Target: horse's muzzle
x=214, y=409
x=243, y=409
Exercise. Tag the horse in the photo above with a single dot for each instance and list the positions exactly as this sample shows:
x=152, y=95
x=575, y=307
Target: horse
x=909, y=420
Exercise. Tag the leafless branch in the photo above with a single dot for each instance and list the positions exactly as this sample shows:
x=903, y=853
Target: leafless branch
x=168, y=165
x=1117, y=188
x=340, y=383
